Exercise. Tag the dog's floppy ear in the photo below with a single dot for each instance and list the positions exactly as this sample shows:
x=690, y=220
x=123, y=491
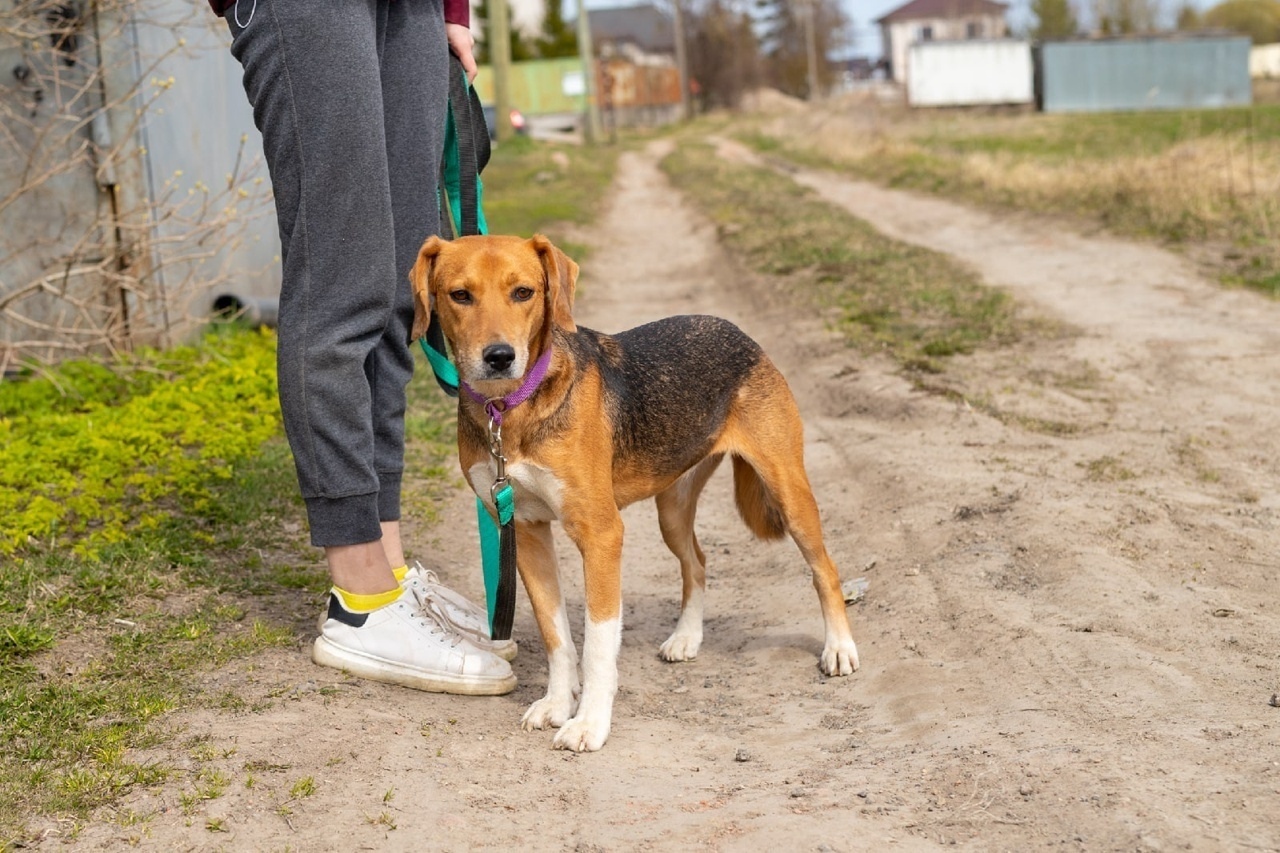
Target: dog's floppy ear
x=562, y=278
x=420, y=281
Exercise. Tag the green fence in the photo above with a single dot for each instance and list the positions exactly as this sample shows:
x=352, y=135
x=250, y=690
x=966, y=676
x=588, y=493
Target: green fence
x=540, y=86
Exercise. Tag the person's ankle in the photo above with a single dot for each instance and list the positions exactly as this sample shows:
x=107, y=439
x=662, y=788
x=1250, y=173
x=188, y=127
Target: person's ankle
x=362, y=569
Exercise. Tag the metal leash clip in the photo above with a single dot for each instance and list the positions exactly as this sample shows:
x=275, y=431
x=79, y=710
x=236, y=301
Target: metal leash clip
x=495, y=450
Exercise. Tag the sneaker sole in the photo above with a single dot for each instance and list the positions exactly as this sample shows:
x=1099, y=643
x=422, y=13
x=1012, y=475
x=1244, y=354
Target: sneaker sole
x=332, y=655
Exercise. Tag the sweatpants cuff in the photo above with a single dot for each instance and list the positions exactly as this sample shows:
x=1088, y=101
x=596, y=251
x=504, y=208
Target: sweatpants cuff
x=389, y=495
x=344, y=521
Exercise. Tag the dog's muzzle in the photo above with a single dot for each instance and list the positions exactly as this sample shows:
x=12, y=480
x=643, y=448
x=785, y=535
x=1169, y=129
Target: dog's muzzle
x=498, y=358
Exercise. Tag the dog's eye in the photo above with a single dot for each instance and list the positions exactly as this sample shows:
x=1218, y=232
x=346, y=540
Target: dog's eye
x=462, y=297
x=522, y=294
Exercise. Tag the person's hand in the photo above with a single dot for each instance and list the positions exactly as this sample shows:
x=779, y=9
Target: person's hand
x=460, y=42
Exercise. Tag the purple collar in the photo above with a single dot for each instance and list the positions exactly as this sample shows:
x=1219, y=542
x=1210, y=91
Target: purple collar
x=495, y=406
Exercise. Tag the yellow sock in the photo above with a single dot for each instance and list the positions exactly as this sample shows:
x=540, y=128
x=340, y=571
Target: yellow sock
x=354, y=602
x=400, y=573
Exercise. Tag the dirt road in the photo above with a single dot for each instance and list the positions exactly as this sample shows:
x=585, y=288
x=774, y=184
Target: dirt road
x=1070, y=638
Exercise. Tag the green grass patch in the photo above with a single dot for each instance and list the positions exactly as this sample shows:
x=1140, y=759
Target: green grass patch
x=536, y=187
x=162, y=477
x=917, y=305
x=94, y=452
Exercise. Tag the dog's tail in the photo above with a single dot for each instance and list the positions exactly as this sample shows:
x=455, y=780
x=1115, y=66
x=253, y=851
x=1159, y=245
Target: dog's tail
x=756, y=505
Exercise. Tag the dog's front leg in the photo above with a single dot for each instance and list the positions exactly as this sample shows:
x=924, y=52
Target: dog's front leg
x=599, y=538
x=536, y=556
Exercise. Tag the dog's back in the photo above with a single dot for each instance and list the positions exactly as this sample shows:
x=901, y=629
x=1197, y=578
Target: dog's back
x=672, y=388
x=668, y=386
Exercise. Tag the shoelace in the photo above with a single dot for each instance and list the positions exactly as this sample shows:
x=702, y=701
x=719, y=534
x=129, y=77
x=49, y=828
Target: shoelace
x=429, y=579
x=427, y=575
x=430, y=610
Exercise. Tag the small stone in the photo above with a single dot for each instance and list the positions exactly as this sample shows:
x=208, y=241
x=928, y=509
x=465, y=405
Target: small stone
x=742, y=755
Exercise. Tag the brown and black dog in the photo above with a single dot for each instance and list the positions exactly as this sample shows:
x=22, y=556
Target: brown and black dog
x=647, y=413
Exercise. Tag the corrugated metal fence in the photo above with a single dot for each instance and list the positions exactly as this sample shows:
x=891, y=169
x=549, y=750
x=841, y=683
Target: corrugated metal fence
x=131, y=184
x=1159, y=72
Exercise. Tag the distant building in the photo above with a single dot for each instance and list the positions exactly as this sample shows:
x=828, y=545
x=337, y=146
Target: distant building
x=860, y=68
x=632, y=31
x=637, y=82
x=937, y=20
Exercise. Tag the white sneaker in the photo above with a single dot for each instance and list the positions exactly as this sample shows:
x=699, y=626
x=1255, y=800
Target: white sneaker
x=408, y=642
x=469, y=618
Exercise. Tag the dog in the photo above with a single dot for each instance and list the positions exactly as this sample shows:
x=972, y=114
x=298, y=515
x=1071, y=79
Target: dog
x=647, y=413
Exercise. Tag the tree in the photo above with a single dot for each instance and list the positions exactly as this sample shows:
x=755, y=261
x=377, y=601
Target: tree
x=724, y=53
x=520, y=47
x=1055, y=19
x=1188, y=18
x=557, y=38
x=1124, y=17
x=1257, y=19
x=781, y=28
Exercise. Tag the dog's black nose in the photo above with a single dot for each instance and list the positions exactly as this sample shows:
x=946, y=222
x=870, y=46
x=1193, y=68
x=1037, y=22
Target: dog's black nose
x=499, y=356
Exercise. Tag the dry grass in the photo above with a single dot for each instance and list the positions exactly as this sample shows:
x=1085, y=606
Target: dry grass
x=1205, y=180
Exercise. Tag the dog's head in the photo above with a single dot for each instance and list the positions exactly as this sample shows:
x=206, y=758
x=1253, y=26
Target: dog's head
x=498, y=300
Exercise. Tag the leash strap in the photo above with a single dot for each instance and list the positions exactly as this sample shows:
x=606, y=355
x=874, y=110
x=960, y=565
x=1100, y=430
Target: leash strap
x=502, y=601
x=466, y=153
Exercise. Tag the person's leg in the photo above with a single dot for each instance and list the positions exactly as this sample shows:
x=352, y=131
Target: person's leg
x=413, y=52
x=314, y=78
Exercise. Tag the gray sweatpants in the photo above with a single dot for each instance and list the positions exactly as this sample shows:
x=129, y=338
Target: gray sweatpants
x=350, y=97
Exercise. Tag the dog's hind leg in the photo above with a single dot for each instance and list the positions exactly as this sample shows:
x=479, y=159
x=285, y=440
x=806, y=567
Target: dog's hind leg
x=677, y=507
x=536, y=555
x=770, y=440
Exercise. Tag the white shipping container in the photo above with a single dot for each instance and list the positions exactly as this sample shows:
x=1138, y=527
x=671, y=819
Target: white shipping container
x=1264, y=61
x=969, y=73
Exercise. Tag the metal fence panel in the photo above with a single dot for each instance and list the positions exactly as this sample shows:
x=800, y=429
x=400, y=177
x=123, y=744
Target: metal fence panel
x=132, y=188
x=1152, y=73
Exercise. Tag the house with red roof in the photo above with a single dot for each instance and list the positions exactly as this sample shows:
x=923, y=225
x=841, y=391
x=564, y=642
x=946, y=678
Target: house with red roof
x=937, y=20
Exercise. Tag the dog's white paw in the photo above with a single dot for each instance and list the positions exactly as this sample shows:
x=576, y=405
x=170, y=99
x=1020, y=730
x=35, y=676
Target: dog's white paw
x=840, y=658
x=681, y=646
x=547, y=713
x=582, y=735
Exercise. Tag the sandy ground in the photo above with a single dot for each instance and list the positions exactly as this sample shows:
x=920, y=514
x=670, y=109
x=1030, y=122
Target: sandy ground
x=1070, y=637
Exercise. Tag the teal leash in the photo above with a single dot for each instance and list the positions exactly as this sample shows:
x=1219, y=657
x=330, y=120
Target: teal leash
x=466, y=152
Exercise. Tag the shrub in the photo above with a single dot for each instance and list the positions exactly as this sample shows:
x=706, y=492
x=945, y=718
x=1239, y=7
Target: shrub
x=95, y=450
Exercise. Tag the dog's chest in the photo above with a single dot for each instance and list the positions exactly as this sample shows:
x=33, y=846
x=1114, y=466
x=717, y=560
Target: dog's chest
x=538, y=491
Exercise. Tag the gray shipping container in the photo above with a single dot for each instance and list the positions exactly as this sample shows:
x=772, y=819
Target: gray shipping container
x=1143, y=73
